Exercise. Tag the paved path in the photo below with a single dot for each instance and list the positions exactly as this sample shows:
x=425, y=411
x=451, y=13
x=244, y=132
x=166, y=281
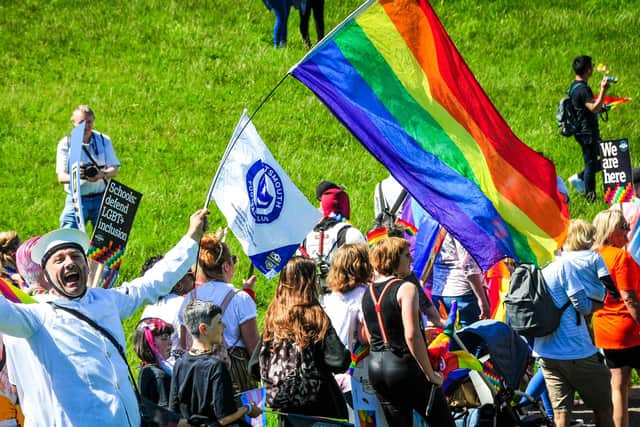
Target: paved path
x=634, y=410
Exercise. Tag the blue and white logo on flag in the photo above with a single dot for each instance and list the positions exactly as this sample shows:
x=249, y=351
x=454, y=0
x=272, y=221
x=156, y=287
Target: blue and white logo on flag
x=265, y=210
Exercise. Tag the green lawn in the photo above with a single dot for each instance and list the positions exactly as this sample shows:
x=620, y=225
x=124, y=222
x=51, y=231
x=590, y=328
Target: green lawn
x=168, y=81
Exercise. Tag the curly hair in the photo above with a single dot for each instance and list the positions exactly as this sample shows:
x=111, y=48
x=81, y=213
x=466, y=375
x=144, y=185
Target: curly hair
x=213, y=254
x=295, y=313
x=9, y=243
x=385, y=254
x=349, y=267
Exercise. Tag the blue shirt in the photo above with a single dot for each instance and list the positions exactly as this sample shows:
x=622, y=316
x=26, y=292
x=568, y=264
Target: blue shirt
x=572, y=276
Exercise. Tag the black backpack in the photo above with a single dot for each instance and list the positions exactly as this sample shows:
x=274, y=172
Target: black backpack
x=566, y=114
x=529, y=305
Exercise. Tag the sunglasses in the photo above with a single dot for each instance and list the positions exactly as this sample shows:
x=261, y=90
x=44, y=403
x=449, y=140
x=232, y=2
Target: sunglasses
x=626, y=226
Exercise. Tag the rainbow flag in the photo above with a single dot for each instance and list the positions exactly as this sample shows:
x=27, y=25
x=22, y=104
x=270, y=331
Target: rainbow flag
x=409, y=228
x=374, y=236
x=14, y=293
x=393, y=77
x=612, y=102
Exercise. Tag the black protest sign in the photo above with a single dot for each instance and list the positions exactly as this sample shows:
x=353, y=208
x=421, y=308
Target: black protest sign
x=616, y=171
x=118, y=209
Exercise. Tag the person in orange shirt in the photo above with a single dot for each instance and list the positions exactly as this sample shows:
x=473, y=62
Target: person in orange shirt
x=10, y=412
x=616, y=326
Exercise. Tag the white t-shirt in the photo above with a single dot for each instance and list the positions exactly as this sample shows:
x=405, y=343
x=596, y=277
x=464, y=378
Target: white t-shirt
x=345, y=312
x=451, y=269
x=240, y=309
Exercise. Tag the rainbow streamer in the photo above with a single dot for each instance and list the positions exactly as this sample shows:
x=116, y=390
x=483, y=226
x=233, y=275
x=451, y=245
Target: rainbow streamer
x=14, y=294
x=409, y=228
x=393, y=77
x=611, y=102
x=108, y=255
x=619, y=194
x=374, y=236
x=360, y=351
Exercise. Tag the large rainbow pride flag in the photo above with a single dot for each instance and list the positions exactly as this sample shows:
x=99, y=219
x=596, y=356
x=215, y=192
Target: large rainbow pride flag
x=393, y=77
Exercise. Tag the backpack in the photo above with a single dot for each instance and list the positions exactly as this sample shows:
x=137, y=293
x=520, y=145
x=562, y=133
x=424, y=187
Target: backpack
x=323, y=241
x=388, y=214
x=566, y=114
x=529, y=306
x=290, y=376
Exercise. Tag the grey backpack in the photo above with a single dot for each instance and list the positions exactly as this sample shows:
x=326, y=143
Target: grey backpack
x=529, y=305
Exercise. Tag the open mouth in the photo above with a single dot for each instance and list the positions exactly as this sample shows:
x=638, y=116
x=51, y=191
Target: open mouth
x=71, y=278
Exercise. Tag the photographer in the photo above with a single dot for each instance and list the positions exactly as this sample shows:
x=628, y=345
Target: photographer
x=98, y=163
x=587, y=108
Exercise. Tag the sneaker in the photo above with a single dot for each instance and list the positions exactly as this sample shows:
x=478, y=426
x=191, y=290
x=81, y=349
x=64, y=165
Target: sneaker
x=576, y=183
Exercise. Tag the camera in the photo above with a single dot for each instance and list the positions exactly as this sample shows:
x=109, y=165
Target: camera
x=89, y=171
x=612, y=79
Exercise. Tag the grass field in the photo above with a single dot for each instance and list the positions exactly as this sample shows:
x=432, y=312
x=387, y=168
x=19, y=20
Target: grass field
x=168, y=81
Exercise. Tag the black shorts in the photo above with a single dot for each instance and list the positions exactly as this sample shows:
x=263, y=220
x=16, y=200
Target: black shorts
x=624, y=357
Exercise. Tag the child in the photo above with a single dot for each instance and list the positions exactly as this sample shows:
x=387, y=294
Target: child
x=201, y=386
x=152, y=342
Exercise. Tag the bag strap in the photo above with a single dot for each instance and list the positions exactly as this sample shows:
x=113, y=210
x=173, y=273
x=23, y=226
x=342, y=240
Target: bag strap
x=107, y=335
x=227, y=299
x=378, y=306
x=399, y=200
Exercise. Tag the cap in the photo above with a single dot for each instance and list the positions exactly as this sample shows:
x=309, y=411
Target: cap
x=324, y=186
x=64, y=237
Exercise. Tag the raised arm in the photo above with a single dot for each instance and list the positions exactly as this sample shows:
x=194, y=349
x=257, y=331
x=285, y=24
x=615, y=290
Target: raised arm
x=408, y=300
x=20, y=320
x=160, y=279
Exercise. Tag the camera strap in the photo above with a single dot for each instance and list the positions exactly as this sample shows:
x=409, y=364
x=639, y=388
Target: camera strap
x=88, y=153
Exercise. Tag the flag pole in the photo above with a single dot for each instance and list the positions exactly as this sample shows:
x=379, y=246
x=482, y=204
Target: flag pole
x=237, y=136
x=337, y=28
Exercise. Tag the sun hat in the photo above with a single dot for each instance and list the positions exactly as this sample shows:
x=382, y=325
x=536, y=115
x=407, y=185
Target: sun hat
x=56, y=240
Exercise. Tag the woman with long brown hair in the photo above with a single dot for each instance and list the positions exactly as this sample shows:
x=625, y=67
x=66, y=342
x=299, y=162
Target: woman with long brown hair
x=216, y=268
x=299, y=349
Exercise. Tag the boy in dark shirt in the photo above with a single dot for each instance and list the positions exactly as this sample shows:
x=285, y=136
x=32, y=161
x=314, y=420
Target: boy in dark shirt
x=588, y=132
x=201, y=389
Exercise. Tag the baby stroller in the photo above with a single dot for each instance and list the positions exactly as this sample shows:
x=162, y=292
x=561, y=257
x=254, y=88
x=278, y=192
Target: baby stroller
x=488, y=398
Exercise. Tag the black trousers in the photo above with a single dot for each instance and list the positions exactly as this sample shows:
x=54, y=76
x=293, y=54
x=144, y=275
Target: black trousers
x=401, y=388
x=317, y=7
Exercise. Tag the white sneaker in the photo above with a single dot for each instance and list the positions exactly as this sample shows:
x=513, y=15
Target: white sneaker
x=576, y=183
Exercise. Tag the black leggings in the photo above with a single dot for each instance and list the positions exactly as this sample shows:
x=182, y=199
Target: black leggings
x=401, y=387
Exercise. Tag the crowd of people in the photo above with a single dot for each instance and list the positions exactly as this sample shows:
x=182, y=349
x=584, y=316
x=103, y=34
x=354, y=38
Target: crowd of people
x=63, y=360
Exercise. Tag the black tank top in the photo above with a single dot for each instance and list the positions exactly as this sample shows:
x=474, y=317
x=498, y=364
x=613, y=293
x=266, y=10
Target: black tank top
x=391, y=317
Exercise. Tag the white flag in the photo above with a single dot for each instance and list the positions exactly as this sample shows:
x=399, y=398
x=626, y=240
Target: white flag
x=264, y=209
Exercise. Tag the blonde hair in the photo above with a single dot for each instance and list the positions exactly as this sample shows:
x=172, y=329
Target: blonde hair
x=580, y=236
x=213, y=254
x=295, y=313
x=385, y=254
x=349, y=267
x=606, y=223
